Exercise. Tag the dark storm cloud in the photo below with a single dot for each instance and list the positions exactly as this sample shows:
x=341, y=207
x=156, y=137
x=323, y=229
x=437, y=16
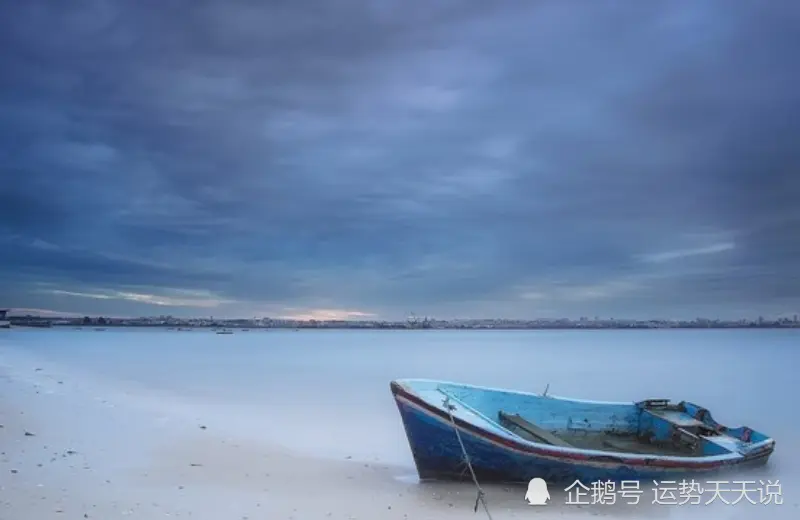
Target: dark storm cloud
x=442, y=157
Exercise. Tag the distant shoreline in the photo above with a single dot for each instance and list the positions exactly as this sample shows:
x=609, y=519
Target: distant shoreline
x=48, y=323
x=412, y=323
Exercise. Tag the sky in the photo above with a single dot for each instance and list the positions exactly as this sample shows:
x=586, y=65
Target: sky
x=373, y=159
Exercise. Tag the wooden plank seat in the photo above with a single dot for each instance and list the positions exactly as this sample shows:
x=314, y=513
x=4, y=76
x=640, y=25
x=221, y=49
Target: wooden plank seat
x=535, y=433
x=677, y=419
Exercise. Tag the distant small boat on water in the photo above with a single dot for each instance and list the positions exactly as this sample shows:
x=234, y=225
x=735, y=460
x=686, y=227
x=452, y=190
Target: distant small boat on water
x=225, y=331
x=513, y=436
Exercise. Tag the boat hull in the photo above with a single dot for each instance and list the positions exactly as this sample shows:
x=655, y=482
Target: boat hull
x=438, y=454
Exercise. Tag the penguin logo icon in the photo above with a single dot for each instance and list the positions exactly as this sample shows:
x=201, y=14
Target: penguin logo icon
x=537, y=494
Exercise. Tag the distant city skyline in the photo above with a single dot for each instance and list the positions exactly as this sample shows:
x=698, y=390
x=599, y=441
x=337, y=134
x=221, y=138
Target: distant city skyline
x=454, y=159
x=172, y=322
x=412, y=318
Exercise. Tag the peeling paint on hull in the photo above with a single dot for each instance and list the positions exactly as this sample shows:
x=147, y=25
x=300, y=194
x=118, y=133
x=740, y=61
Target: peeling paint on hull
x=496, y=458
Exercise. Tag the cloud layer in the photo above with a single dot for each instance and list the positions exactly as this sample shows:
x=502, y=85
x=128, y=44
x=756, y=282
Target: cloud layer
x=379, y=158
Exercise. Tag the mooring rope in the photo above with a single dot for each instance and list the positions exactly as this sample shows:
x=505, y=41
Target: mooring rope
x=481, y=498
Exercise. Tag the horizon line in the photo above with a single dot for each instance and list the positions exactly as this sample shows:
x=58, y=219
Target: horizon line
x=73, y=316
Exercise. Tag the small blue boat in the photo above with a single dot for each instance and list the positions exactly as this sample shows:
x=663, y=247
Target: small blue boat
x=514, y=436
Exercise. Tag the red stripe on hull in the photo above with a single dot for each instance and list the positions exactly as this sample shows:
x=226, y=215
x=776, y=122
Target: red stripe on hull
x=399, y=390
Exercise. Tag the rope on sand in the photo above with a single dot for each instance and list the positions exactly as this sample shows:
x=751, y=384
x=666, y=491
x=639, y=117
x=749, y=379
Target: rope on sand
x=481, y=498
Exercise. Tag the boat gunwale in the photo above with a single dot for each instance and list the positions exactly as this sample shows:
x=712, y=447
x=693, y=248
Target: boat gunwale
x=403, y=388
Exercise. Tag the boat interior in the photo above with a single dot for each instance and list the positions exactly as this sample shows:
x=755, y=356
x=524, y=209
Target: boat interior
x=650, y=427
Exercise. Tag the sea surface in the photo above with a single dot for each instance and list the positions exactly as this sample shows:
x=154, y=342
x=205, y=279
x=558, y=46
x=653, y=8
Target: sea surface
x=325, y=393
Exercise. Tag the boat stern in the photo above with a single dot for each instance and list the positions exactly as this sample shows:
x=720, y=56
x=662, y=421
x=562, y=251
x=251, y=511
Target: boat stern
x=754, y=446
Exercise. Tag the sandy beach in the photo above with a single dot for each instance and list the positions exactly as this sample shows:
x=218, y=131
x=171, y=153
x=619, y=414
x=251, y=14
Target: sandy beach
x=78, y=447
x=64, y=457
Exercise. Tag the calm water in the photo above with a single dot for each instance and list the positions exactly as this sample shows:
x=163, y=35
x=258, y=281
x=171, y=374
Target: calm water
x=327, y=392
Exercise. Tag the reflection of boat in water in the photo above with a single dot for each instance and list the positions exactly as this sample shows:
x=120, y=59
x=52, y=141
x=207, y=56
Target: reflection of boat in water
x=515, y=436
x=4, y=323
